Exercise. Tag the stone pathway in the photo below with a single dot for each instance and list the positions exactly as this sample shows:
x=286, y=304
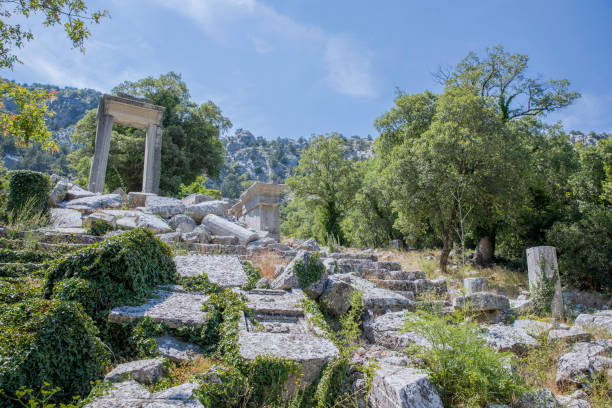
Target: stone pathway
x=223, y=270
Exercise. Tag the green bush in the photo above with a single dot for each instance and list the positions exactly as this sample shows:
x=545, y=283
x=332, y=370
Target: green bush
x=99, y=228
x=25, y=186
x=13, y=290
x=12, y=270
x=123, y=269
x=77, y=290
x=309, y=271
x=49, y=341
x=585, y=249
x=466, y=371
x=8, y=255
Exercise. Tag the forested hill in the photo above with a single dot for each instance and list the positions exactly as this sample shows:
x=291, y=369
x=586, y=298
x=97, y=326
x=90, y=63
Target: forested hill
x=248, y=157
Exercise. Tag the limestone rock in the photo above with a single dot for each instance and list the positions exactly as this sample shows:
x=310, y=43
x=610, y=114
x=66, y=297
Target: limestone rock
x=193, y=199
x=173, y=309
x=541, y=398
x=387, y=331
x=176, y=350
x=201, y=210
x=138, y=199
x=129, y=394
x=288, y=279
x=107, y=219
x=337, y=294
x=143, y=371
x=58, y=193
x=224, y=240
x=309, y=245
x=599, y=321
x=482, y=301
x=94, y=202
x=578, y=399
x=584, y=361
x=403, y=387
x=65, y=218
x=263, y=283
x=542, y=261
x=74, y=192
x=155, y=224
x=182, y=223
x=473, y=285
x=169, y=237
x=223, y=270
x=572, y=335
x=508, y=338
x=165, y=207
x=534, y=328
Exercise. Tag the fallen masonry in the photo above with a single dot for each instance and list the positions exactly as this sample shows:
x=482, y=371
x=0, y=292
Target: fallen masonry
x=223, y=270
x=131, y=394
x=279, y=327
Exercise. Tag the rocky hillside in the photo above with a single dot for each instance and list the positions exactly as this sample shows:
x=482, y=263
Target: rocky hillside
x=588, y=139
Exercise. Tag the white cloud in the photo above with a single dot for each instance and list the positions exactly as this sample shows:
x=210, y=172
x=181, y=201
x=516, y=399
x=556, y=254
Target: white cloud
x=588, y=113
x=348, y=65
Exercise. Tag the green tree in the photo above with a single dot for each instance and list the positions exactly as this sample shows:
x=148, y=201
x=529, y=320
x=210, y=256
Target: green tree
x=29, y=122
x=326, y=181
x=504, y=78
x=465, y=159
x=190, y=141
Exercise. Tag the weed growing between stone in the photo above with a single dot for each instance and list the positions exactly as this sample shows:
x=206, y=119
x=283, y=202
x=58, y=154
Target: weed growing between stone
x=465, y=370
x=253, y=274
x=99, y=228
x=310, y=271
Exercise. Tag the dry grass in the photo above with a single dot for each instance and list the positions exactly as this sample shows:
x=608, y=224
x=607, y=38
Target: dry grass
x=266, y=262
x=176, y=374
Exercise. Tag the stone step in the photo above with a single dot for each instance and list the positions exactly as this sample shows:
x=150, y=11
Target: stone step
x=173, y=309
x=217, y=249
x=177, y=350
x=395, y=274
x=397, y=285
x=132, y=394
x=223, y=270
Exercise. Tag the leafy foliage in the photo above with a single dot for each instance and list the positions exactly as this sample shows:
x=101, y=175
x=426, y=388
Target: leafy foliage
x=198, y=187
x=49, y=340
x=123, y=269
x=27, y=186
x=310, y=271
x=99, y=228
x=465, y=370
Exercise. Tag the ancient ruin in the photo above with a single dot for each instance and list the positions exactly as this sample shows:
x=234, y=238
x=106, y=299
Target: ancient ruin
x=129, y=111
x=258, y=208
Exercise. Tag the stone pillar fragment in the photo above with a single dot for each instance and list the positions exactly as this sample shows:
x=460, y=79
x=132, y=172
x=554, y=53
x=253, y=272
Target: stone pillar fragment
x=542, y=261
x=152, y=160
x=221, y=226
x=97, y=171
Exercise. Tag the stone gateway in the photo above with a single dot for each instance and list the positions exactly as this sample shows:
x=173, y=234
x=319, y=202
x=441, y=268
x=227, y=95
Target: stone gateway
x=134, y=112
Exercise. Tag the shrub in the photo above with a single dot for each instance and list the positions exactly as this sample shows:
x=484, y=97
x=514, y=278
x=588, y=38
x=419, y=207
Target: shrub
x=13, y=290
x=585, y=249
x=7, y=256
x=48, y=340
x=308, y=270
x=465, y=370
x=99, y=228
x=123, y=269
x=25, y=185
x=77, y=290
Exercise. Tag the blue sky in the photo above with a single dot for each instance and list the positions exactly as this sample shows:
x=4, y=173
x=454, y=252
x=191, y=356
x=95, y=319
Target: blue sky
x=292, y=68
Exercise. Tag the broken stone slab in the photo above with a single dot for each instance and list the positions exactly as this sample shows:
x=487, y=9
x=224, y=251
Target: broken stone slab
x=403, y=387
x=507, y=338
x=434, y=285
x=354, y=256
x=65, y=218
x=288, y=279
x=215, y=249
x=193, y=199
x=58, y=193
x=220, y=226
x=572, y=335
x=280, y=331
x=224, y=240
x=165, y=207
x=143, y=371
x=182, y=223
x=173, y=309
x=395, y=285
x=534, y=328
x=177, y=350
x=199, y=211
x=387, y=330
x=75, y=192
x=482, y=301
x=583, y=362
x=169, y=237
x=138, y=199
x=542, y=398
x=600, y=321
x=521, y=306
x=94, y=202
x=578, y=399
x=473, y=285
x=337, y=295
x=155, y=224
x=131, y=394
x=542, y=262
x=268, y=243
x=309, y=245
x=223, y=270
x=107, y=219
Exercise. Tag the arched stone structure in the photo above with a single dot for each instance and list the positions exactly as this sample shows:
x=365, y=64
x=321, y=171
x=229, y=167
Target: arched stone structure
x=134, y=112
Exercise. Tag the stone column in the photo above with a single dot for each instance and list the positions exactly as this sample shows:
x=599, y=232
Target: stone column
x=152, y=159
x=542, y=261
x=97, y=171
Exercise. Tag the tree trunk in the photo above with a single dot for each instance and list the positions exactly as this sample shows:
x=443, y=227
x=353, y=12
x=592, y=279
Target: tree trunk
x=447, y=239
x=484, y=253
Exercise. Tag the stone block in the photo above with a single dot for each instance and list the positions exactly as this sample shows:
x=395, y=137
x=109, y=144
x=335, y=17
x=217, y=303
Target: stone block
x=107, y=219
x=182, y=223
x=65, y=218
x=138, y=199
x=572, y=335
x=176, y=350
x=403, y=387
x=58, y=193
x=94, y=202
x=508, y=338
x=143, y=371
x=165, y=207
x=223, y=270
x=473, y=285
x=220, y=226
x=600, y=321
x=193, y=199
x=542, y=262
x=387, y=331
x=198, y=211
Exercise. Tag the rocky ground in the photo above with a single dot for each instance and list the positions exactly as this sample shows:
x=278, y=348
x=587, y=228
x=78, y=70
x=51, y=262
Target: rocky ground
x=281, y=323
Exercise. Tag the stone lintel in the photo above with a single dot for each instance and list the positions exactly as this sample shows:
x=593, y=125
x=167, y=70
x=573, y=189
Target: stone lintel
x=129, y=111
